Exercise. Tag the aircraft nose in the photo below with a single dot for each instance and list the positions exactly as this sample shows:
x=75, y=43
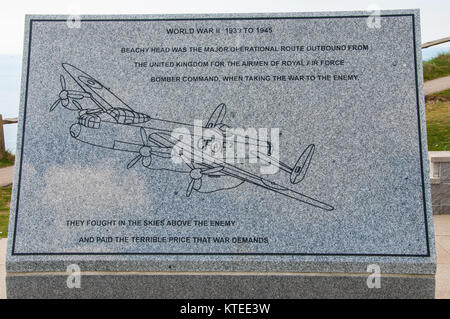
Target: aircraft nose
x=72, y=70
x=67, y=67
x=75, y=130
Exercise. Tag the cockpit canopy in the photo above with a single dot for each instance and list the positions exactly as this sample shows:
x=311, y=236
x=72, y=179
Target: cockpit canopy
x=125, y=116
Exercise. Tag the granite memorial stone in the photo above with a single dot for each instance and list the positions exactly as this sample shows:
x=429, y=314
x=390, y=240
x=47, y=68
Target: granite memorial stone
x=241, y=155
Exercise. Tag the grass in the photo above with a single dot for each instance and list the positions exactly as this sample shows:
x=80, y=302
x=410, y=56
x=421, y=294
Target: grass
x=5, y=197
x=7, y=160
x=438, y=122
x=437, y=67
x=4, y=225
x=440, y=96
x=438, y=105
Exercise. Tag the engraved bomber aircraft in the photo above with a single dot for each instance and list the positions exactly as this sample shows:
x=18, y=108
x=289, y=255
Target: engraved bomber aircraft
x=114, y=125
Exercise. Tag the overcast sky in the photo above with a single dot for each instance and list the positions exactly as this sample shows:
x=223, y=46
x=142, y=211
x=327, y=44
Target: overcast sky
x=435, y=14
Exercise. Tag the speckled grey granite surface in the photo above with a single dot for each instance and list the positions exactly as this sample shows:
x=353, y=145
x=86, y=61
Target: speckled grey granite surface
x=370, y=160
x=217, y=286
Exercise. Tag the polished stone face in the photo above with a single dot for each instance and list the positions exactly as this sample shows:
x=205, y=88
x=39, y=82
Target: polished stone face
x=95, y=179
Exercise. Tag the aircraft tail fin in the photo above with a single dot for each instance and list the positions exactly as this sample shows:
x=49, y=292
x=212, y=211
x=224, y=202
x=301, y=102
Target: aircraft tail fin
x=216, y=118
x=300, y=168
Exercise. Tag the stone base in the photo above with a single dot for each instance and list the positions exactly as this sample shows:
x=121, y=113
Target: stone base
x=440, y=194
x=218, y=285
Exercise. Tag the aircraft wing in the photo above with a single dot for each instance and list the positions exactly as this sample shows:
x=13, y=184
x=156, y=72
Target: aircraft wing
x=148, y=145
x=230, y=170
x=99, y=94
x=160, y=141
x=267, y=184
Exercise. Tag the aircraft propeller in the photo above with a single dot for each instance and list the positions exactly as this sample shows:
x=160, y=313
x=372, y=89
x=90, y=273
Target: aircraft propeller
x=146, y=152
x=68, y=96
x=196, y=175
